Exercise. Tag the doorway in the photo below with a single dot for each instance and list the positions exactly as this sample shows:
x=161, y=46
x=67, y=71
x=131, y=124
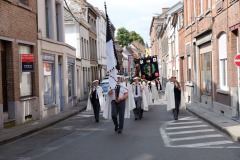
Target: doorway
x=4, y=75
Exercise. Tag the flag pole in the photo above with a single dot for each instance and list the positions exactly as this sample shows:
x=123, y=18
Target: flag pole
x=114, y=48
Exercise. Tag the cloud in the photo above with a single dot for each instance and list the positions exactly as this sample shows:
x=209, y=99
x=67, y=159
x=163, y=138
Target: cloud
x=134, y=15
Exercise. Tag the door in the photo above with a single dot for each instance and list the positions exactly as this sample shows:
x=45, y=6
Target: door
x=60, y=86
x=4, y=76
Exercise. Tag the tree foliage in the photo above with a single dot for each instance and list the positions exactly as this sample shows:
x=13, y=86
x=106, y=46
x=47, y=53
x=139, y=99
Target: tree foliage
x=125, y=37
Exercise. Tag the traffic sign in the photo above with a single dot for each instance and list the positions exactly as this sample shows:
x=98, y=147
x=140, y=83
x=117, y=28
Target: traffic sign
x=237, y=60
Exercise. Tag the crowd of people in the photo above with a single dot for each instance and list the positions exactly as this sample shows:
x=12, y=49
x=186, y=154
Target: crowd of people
x=136, y=96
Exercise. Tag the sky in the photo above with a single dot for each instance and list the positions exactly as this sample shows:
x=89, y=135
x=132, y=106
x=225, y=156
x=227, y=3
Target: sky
x=134, y=15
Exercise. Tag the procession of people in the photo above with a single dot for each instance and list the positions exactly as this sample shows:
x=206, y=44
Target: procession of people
x=135, y=97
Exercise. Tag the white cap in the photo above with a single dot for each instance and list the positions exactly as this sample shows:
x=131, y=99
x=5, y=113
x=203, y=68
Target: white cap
x=126, y=77
x=119, y=76
x=135, y=78
x=95, y=81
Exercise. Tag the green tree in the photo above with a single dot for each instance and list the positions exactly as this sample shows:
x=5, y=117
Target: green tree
x=123, y=36
x=133, y=36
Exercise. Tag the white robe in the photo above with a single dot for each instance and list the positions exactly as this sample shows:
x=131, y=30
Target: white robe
x=148, y=95
x=169, y=94
x=130, y=101
x=100, y=97
x=107, y=112
x=155, y=94
x=144, y=104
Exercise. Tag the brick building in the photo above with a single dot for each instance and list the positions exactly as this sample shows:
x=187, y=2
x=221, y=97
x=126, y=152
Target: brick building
x=19, y=91
x=211, y=40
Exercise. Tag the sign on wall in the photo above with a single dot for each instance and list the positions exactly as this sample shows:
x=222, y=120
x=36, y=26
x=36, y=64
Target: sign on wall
x=27, y=62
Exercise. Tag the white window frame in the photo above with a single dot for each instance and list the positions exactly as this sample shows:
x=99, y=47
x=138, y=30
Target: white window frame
x=201, y=6
x=72, y=82
x=52, y=83
x=222, y=52
x=25, y=91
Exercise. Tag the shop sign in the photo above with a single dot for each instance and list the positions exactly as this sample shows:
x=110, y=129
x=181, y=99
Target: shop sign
x=27, y=62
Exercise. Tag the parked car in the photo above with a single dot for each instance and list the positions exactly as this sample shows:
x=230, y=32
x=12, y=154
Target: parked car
x=105, y=90
x=104, y=82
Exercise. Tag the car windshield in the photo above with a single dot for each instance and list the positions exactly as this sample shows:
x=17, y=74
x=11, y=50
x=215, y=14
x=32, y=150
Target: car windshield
x=105, y=88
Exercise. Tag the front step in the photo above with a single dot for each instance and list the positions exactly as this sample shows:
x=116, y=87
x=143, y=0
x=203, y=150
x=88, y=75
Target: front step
x=10, y=123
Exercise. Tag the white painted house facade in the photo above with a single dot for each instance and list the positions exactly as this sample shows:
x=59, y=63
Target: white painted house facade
x=56, y=59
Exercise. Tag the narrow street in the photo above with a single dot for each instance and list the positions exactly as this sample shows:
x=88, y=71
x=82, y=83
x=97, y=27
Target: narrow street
x=156, y=136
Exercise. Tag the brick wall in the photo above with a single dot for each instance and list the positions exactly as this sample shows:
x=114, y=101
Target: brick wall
x=229, y=16
x=19, y=23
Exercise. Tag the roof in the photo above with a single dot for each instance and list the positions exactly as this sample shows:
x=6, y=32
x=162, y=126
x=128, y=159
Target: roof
x=139, y=46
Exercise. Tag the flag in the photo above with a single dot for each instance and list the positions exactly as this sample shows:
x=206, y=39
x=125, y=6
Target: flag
x=149, y=68
x=112, y=60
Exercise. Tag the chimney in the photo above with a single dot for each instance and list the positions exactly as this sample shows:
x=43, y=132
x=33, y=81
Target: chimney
x=164, y=9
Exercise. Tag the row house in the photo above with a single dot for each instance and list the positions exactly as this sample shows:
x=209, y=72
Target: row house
x=56, y=60
x=19, y=89
x=164, y=41
x=92, y=21
x=129, y=62
x=77, y=35
x=101, y=44
x=211, y=40
x=200, y=42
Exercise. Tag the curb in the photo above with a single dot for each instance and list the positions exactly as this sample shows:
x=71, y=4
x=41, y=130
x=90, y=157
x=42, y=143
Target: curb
x=232, y=136
x=44, y=126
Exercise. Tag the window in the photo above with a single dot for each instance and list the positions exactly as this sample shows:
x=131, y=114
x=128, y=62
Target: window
x=48, y=74
x=24, y=2
x=209, y=4
x=58, y=14
x=222, y=50
x=201, y=6
x=189, y=69
x=47, y=18
x=206, y=73
x=82, y=47
x=70, y=80
x=25, y=77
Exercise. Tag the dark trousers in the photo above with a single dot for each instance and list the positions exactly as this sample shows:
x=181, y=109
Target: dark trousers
x=96, y=108
x=118, y=110
x=138, y=110
x=176, y=110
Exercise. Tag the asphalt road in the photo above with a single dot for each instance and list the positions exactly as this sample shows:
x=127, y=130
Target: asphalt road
x=156, y=137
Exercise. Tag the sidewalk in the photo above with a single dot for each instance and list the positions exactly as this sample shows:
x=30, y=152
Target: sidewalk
x=19, y=131
x=223, y=123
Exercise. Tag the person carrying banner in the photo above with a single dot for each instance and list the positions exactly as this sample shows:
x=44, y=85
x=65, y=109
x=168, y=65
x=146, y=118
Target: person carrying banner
x=116, y=105
x=173, y=95
x=96, y=100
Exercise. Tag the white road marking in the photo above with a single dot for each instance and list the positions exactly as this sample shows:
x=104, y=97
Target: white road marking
x=194, y=122
x=194, y=131
x=205, y=144
x=196, y=137
x=187, y=118
x=185, y=127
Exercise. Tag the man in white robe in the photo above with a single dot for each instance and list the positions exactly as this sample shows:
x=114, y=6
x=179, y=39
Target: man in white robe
x=169, y=94
x=155, y=94
x=130, y=101
x=149, y=94
x=139, y=98
x=96, y=101
x=115, y=107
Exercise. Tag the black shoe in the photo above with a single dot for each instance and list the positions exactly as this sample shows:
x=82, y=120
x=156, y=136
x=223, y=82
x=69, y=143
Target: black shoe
x=116, y=129
x=175, y=118
x=136, y=119
x=119, y=131
x=97, y=121
x=140, y=117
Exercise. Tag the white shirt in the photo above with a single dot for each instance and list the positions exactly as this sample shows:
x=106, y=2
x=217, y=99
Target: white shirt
x=138, y=91
x=122, y=91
